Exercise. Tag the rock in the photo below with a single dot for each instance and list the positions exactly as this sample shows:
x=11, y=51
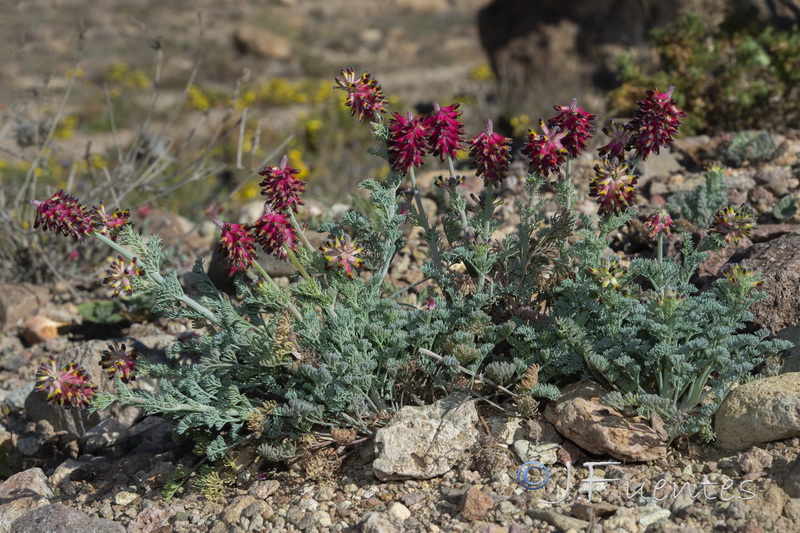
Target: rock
x=19, y=301
x=792, y=484
x=252, y=40
x=264, y=489
x=635, y=518
x=476, y=504
x=760, y=411
x=63, y=472
x=424, y=7
x=377, y=523
x=768, y=506
x=105, y=434
x=425, y=442
x=779, y=263
x=504, y=429
x=60, y=518
x=755, y=460
x=560, y=521
x=234, y=509
x=599, y=429
x=398, y=511
x=584, y=510
x=38, y=328
x=88, y=355
x=125, y=497
x=542, y=431
x=545, y=453
x=12, y=353
x=662, y=165
x=777, y=180
x=768, y=232
x=22, y=493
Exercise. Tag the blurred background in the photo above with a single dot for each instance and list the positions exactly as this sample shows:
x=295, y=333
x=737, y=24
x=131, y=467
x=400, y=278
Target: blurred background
x=174, y=107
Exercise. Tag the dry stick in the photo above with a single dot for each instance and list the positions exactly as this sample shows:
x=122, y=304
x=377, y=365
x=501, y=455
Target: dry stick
x=150, y=109
x=469, y=372
x=12, y=153
x=35, y=163
x=263, y=163
x=114, y=133
x=242, y=122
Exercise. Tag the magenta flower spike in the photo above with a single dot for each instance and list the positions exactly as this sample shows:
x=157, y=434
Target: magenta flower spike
x=281, y=188
x=490, y=153
x=63, y=213
x=613, y=187
x=576, y=123
x=117, y=360
x=655, y=123
x=445, y=132
x=546, y=150
x=364, y=95
x=273, y=231
x=342, y=253
x=658, y=222
x=733, y=223
x=69, y=386
x=237, y=244
x=408, y=141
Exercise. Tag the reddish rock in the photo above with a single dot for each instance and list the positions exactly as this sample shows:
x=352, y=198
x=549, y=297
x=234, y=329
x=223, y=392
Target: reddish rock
x=476, y=504
x=779, y=263
x=602, y=430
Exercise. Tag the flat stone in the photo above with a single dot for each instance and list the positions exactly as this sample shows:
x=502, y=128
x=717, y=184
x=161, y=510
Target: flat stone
x=599, y=429
x=425, y=442
x=22, y=493
x=545, y=453
x=63, y=519
x=760, y=411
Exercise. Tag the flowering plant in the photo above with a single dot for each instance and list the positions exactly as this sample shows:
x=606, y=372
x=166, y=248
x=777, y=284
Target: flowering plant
x=343, y=345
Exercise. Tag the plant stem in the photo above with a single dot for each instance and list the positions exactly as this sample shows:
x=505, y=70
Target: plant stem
x=299, y=231
x=157, y=278
x=488, y=208
x=404, y=289
x=271, y=281
x=296, y=262
x=568, y=171
x=424, y=219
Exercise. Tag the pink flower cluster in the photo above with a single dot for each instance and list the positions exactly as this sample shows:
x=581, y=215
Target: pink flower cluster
x=63, y=213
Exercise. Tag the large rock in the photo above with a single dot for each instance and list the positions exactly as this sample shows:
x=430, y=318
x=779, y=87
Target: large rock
x=760, y=411
x=259, y=42
x=779, y=263
x=19, y=301
x=602, y=430
x=63, y=519
x=575, y=44
x=78, y=421
x=22, y=493
x=425, y=442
